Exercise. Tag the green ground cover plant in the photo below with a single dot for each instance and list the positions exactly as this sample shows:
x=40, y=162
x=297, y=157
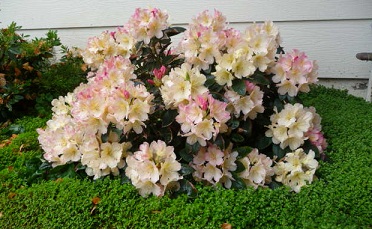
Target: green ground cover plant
x=340, y=198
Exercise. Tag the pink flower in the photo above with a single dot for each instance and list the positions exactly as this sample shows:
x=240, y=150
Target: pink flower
x=159, y=73
x=294, y=72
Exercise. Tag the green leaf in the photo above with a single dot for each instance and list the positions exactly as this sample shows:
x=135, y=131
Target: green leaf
x=187, y=187
x=104, y=137
x=278, y=104
x=279, y=152
x=15, y=50
x=186, y=169
x=280, y=50
x=263, y=142
x=247, y=128
x=237, y=137
x=186, y=155
x=45, y=165
x=194, y=148
x=172, y=31
x=243, y=151
x=238, y=183
x=259, y=78
x=238, y=85
x=16, y=129
x=169, y=117
x=166, y=134
x=240, y=167
x=210, y=81
x=234, y=124
x=309, y=146
x=220, y=142
x=275, y=185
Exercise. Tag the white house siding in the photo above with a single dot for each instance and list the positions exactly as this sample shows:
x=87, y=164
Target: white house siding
x=329, y=31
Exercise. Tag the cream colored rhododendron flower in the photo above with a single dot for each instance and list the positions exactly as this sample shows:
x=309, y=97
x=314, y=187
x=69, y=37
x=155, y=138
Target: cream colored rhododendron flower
x=289, y=126
x=202, y=119
x=204, y=39
x=214, y=166
x=181, y=84
x=294, y=72
x=258, y=170
x=86, y=114
x=297, y=169
x=248, y=105
x=147, y=23
x=247, y=52
x=153, y=167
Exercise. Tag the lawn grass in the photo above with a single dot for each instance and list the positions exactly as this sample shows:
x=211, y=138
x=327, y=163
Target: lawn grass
x=340, y=198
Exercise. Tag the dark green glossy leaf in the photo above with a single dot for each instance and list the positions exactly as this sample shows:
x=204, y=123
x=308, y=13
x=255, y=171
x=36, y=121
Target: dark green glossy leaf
x=238, y=183
x=280, y=50
x=188, y=188
x=279, y=152
x=278, y=104
x=186, y=155
x=192, y=148
x=275, y=185
x=234, y=124
x=259, y=78
x=243, y=151
x=246, y=128
x=240, y=167
x=210, y=81
x=237, y=137
x=169, y=117
x=166, y=134
x=186, y=169
x=220, y=142
x=16, y=129
x=238, y=85
x=45, y=165
x=263, y=142
x=309, y=146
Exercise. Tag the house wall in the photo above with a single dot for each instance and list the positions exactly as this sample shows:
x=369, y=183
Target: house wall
x=329, y=31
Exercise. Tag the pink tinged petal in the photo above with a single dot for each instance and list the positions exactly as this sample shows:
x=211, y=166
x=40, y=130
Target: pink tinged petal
x=257, y=173
x=212, y=173
x=214, y=155
x=145, y=188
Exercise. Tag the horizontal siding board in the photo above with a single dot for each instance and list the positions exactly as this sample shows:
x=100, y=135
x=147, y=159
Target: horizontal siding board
x=332, y=43
x=57, y=14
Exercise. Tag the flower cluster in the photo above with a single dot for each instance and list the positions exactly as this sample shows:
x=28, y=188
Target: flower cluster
x=293, y=125
x=107, y=45
x=258, y=170
x=297, y=169
x=294, y=72
x=202, y=118
x=249, y=104
x=204, y=39
x=148, y=23
x=221, y=107
x=109, y=98
x=213, y=165
x=182, y=83
x=153, y=168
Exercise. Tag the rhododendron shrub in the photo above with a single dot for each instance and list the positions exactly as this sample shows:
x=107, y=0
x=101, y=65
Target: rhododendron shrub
x=221, y=107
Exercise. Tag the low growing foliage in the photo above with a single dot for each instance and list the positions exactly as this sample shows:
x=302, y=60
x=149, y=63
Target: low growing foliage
x=339, y=199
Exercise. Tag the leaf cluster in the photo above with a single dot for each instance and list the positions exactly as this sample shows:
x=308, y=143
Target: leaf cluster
x=27, y=72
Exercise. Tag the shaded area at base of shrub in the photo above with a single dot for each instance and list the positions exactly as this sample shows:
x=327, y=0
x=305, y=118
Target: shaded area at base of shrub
x=339, y=199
